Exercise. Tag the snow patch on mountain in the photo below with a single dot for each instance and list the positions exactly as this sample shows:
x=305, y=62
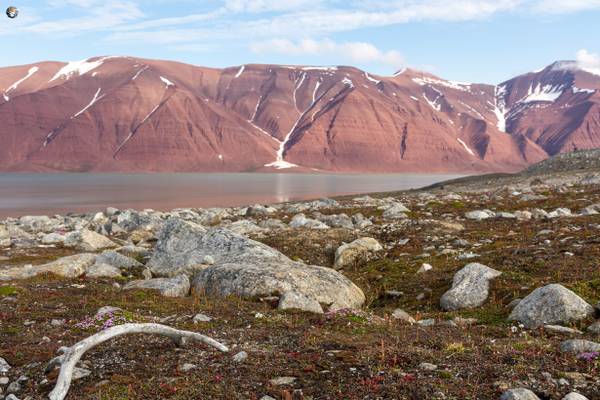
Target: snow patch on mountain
x=500, y=107
x=240, y=72
x=166, y=81
x=369, y=77
x=78, y=68
x=579, y=90
x=467, y=148
x=546, y=93
x=15, y=85
x=94, y=100
x=463, y=87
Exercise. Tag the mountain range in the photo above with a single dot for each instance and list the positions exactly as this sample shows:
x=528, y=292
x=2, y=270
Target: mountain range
x=125, y=114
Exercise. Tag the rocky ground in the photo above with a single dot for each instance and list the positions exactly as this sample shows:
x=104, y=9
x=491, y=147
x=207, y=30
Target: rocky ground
x=480, y=289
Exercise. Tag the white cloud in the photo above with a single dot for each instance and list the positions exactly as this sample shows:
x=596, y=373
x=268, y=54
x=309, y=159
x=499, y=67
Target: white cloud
x=565, y=6
x=588, y=61
x=257, y=6
x=356, y=52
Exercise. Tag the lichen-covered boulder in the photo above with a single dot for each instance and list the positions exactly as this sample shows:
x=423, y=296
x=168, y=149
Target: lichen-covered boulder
x=470, y=287
x=360, y=249
x=550, y=305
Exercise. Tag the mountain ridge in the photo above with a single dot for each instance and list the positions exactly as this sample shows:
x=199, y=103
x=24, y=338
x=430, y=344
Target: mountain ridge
x=118, y=113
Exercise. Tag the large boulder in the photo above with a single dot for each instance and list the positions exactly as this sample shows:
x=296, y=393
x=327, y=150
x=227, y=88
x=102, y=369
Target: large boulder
x=350, y=253
x=396, y=211
x=87, y=240
x=550, y=305
x=178, y=249
x=243, y=267
x=267, y=278
x=470, y=287
x=178, y=286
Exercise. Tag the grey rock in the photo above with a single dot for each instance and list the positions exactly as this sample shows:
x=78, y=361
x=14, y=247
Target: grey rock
x=337, y=221
x=11, y=397
x=245, y=267
x=519, y=394
x=80, y=373
x=397, y=211
x=428, y=367
x=283, y=380
x=577, y=346
x=132, y=251
x=4, y=381
x=467, y=256
x=179, y=249
x=594, y=328
x=360, y=249
x=480, y=215
x=240, y=357
x=101, y=270
x=4, y=366
x=117, y=260
x=297, y=301
x=198, y=318
x=561, y=330
x=14, y=387
x=402, y=315
x=523, y=215
x=107, y=309
x=244, y=227
x=426, y=322
x=87, y=240
x=560, y=213
x=574, y=396
x=53, y=238
x=266, y=397
x=38, y=223
x=300, y=221
x=553, y=304
x=272, y=224
x=208, y=260
x=470, y=287
x=131, y=220
x=178, y=286
x=67, y=267
x=188, y=367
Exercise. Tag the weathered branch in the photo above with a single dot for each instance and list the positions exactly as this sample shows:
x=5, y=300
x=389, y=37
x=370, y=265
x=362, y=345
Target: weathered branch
x=73, y=354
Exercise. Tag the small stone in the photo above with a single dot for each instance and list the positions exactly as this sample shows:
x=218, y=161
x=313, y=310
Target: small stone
x=267, y=398
x=403, y=316
x=188, y=367
x=80, y=373
x=14, y=387
x=428, y=367
x=208, y=260
x=424, y=268
x=4, y=366
x=240, y=357
x=284, y=380
x=57, y=322
x=11, y=397
x=426, y=322
x=4, y=381
x=198, y=318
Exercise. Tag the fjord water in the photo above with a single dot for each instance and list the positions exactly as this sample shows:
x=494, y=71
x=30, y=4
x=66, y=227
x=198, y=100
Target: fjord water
x=47, y=194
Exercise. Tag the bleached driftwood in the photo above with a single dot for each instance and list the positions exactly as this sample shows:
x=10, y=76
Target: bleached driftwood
x=71, y=355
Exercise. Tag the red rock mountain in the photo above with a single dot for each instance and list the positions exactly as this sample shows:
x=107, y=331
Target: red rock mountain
x=128, y=114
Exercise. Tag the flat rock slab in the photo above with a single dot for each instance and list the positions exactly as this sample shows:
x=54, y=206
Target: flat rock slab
x=579, y=346
x=66, y=267
x=178, y=286
x=519, y=394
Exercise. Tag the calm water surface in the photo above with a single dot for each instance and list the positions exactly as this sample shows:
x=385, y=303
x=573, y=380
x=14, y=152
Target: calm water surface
x=41, y=194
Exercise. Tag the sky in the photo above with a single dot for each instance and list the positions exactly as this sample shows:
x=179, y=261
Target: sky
x=485, y=41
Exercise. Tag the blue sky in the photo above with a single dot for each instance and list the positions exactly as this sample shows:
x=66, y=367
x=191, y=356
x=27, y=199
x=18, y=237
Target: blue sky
x=464, y=40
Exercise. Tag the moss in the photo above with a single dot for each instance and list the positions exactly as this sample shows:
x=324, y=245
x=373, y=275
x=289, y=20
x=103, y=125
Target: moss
x=588, y=290
x=8, y=290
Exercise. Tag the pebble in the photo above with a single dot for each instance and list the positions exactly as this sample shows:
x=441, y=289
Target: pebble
x=283, y=380
x=240, y=357
x=428, y=367
x=188, y=367
x=198, y=318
